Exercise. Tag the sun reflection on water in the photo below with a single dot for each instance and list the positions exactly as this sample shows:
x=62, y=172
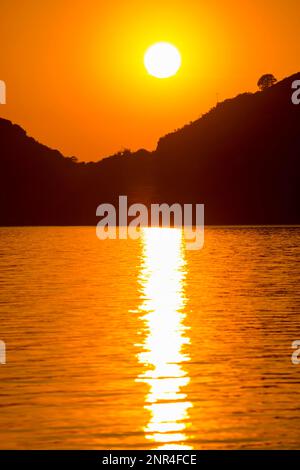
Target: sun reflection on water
x=164, y=348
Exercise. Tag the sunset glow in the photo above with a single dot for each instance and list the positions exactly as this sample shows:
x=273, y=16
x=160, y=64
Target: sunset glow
x=85, y=66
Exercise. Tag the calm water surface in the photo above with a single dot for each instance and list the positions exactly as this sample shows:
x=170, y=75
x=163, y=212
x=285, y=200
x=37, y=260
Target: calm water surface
x=143, y=344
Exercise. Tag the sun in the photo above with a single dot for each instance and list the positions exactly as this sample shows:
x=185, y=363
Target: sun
x=162, y=60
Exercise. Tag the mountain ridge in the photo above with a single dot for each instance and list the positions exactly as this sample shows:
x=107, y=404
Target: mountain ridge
x=241, y=159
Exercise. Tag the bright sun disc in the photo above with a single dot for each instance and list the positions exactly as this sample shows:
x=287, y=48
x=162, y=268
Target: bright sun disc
x=162, y=60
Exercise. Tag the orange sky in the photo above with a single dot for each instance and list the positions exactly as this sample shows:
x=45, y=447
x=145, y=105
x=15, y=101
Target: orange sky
x=75, y=76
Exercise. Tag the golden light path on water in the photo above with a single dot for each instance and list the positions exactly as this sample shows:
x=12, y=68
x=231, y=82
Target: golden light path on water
x=164, y=350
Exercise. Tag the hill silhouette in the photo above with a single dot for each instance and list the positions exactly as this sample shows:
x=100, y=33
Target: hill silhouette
x=241, y=160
